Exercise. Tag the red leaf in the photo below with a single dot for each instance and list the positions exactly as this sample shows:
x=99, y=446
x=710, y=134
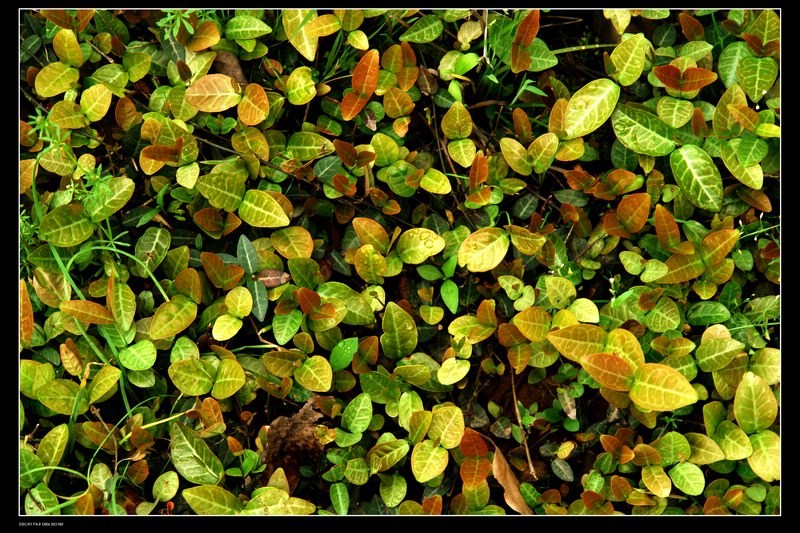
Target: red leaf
x=308, y=299
x=667, y=230
x=210, y=220
x=691, y=27
x=473, y=444
x=691, y=79
x=346, y=152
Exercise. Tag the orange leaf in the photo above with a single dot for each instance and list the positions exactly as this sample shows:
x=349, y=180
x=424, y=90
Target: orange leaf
x=555, y=123
x=526, y=31
x=432, y=505
x=188, y=283
x=522, y=125
x=221, y=275
x=744, y=115
x=231, y=223
x=758, y=47
x=25, y=314
x=343, y=185
x=609, y=370
x=755, y=198
x=254, y=105
x=125, y=113
x=352, y=104
x=205, y=36
x=620, y=488
x=682, y=267
x=397, y=103
x=699, y=126
x=86, y=311
x=633, y=210
x=613, y=226
x=474, y=471
x=509, y=335
x=519, y=355
x=717, y=245
x=618, y=180
x=324, y=311
x=365, y=75
x=210, y=221
x=478, y=171
x=578, y=179
x=59, y=17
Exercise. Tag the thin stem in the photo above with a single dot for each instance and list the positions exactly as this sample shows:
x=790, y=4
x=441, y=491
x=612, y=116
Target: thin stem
x=581, y=48
x=519, y=421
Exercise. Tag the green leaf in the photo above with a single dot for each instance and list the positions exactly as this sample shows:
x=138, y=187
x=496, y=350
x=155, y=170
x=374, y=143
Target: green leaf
x=399, y=332
x=63, y=396
x=55, y=79
x=306, y=145
x=704, y=450
x=754, y=406
x=223, y=190
x=245, y=27
x=172, y=317
x=688, y=478
x=560, y=291
x=428, y=460
x=435, y=182
x=656, y=480
x=449, y=292
x=674, y=111
x=385, y=455
x=629, y=57
x=300, y=86
x=765, y=460
x=211, y=500
x=247, y=255
x=657, y=387
x=66, y=225
x=165, y=487
x=31, y=469
x=342, y=353
x=642, y=132
x=416, y=245
x=315, y=374
x=756, y=75
x=52, y=447
x=230, y=378
x=729, y=59
x=358, y=414
x=452, y=371
x=95, y=102
x=192, y=376
x=103, y=383
x=590, y=107
x=707, y=313
x=261, y=210
x=516, y=156
x=673, y=448
x=664, y=316
x=139, y=356
x=462, y=151
x=457, y=122
x=542, y=151
x=359, y=312
x=698, y=177
x=426, y=29
x=752, y=175
x=340, y=498
x=285, y=326
x=447, y=426
x=301, y=34
x=484, y=249
x=192, y=457
x=732, y=440
x=715, y=354
x=107, y=200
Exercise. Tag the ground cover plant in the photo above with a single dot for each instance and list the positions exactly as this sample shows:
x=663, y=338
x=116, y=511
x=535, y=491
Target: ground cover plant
x=395, y=262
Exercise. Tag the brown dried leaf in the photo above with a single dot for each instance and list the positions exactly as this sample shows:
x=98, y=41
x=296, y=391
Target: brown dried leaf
x=505, y=476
